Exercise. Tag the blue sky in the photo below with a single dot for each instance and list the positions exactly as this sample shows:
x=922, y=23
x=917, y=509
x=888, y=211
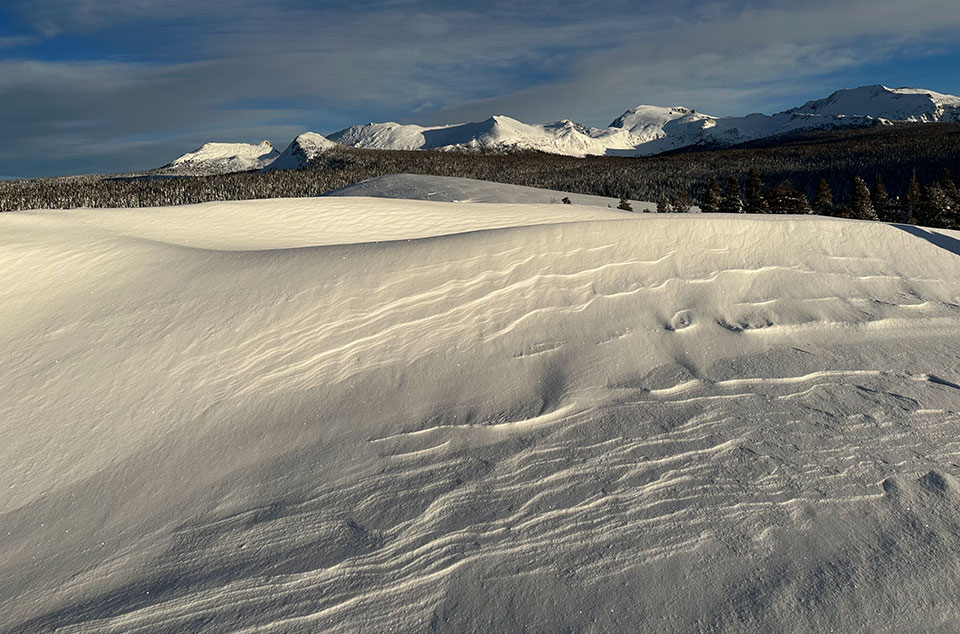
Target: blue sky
x=121, y=85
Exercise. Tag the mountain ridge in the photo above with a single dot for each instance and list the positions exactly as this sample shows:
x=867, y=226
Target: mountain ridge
x=643, y=130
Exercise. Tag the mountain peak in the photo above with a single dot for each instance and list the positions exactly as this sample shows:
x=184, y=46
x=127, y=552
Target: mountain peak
x=221, y=158
x=640, y=131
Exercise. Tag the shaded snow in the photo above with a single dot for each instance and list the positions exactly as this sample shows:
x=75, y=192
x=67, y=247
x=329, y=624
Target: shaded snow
x=468, y=190
x=358, y=414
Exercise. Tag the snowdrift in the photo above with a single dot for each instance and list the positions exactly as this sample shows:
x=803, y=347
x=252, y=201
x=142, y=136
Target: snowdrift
x=358, y=414
x=470, y=190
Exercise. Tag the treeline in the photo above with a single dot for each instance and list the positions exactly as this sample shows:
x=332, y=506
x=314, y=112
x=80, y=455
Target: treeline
x=937, y=204
x=896, y=153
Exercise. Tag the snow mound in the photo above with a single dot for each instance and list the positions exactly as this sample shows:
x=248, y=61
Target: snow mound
x=305, y=148
x=222, y=158
x=346, y=414
x=468, y=190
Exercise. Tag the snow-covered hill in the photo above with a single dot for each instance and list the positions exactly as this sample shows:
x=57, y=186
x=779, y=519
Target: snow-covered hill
x=221, y=158
x=357, y=414
x=468, y=190
x=301, y=151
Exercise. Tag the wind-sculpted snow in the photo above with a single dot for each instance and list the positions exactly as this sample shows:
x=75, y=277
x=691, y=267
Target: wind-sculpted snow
x=369, y=415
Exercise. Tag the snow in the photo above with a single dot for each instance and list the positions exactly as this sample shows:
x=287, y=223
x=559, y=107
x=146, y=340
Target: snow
x=301, y=151
x=468, y=190
x=220, y=158
x=349, y=414
x=646, y=129
x=896, y=104
x=640, y=131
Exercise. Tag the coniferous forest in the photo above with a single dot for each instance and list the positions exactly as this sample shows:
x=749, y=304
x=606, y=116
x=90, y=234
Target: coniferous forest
x=900, y=173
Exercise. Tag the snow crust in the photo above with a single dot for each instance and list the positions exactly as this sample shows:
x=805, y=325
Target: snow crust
x=221, y=158
x=354, y=414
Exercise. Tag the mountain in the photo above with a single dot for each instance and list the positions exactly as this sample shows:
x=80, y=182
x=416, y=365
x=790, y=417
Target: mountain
x=640, y=131
x=646, y=129
x=221, y=158
x=894, y=104
x=301, y=151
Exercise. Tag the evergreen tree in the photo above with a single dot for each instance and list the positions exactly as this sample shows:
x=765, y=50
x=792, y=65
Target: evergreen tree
x=663, y=205
x=754, y=200
x=731, y=203
x=914, y=200
x=681, y=203
x=624, y=204
x=881, y=200
x=712, y=198
x=949, y=188
x=823, y=203
x=786, y=199
x=936, y=208
x=861, y=208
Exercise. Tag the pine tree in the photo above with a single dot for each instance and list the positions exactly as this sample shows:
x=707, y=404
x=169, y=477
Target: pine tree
x=823, y=203
x=712, y=198
x=881, y=200
x=949, y=188
x=861, y=208
x=731, y=203
x=624, y=204
x=914, y=200
x=936, y=208
x=663, y=205
x=754, y=200
x=786, y=199
x=681, y=203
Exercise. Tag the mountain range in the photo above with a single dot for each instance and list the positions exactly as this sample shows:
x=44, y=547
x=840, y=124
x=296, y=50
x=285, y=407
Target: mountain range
x=640, y=131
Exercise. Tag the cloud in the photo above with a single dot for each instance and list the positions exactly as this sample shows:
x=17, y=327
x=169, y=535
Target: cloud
x=173, y=74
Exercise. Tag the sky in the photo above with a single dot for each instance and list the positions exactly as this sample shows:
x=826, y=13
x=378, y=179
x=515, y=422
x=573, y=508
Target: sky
x=107, y=86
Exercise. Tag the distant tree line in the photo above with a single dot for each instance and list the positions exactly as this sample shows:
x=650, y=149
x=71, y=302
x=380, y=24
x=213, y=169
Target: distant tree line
x=826, y=172
x=937, y=204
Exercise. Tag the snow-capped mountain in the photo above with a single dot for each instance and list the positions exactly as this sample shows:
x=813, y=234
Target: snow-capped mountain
x=646, y=130
x=301, y=151
x=894, y=104
x=640, y=131
x=221, y=158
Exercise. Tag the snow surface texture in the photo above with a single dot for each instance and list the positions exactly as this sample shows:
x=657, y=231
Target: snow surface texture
x=468, y=190
x=221, y=158
x=372, y=415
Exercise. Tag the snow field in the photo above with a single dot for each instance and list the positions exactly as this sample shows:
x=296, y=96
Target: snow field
x=365, y=415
